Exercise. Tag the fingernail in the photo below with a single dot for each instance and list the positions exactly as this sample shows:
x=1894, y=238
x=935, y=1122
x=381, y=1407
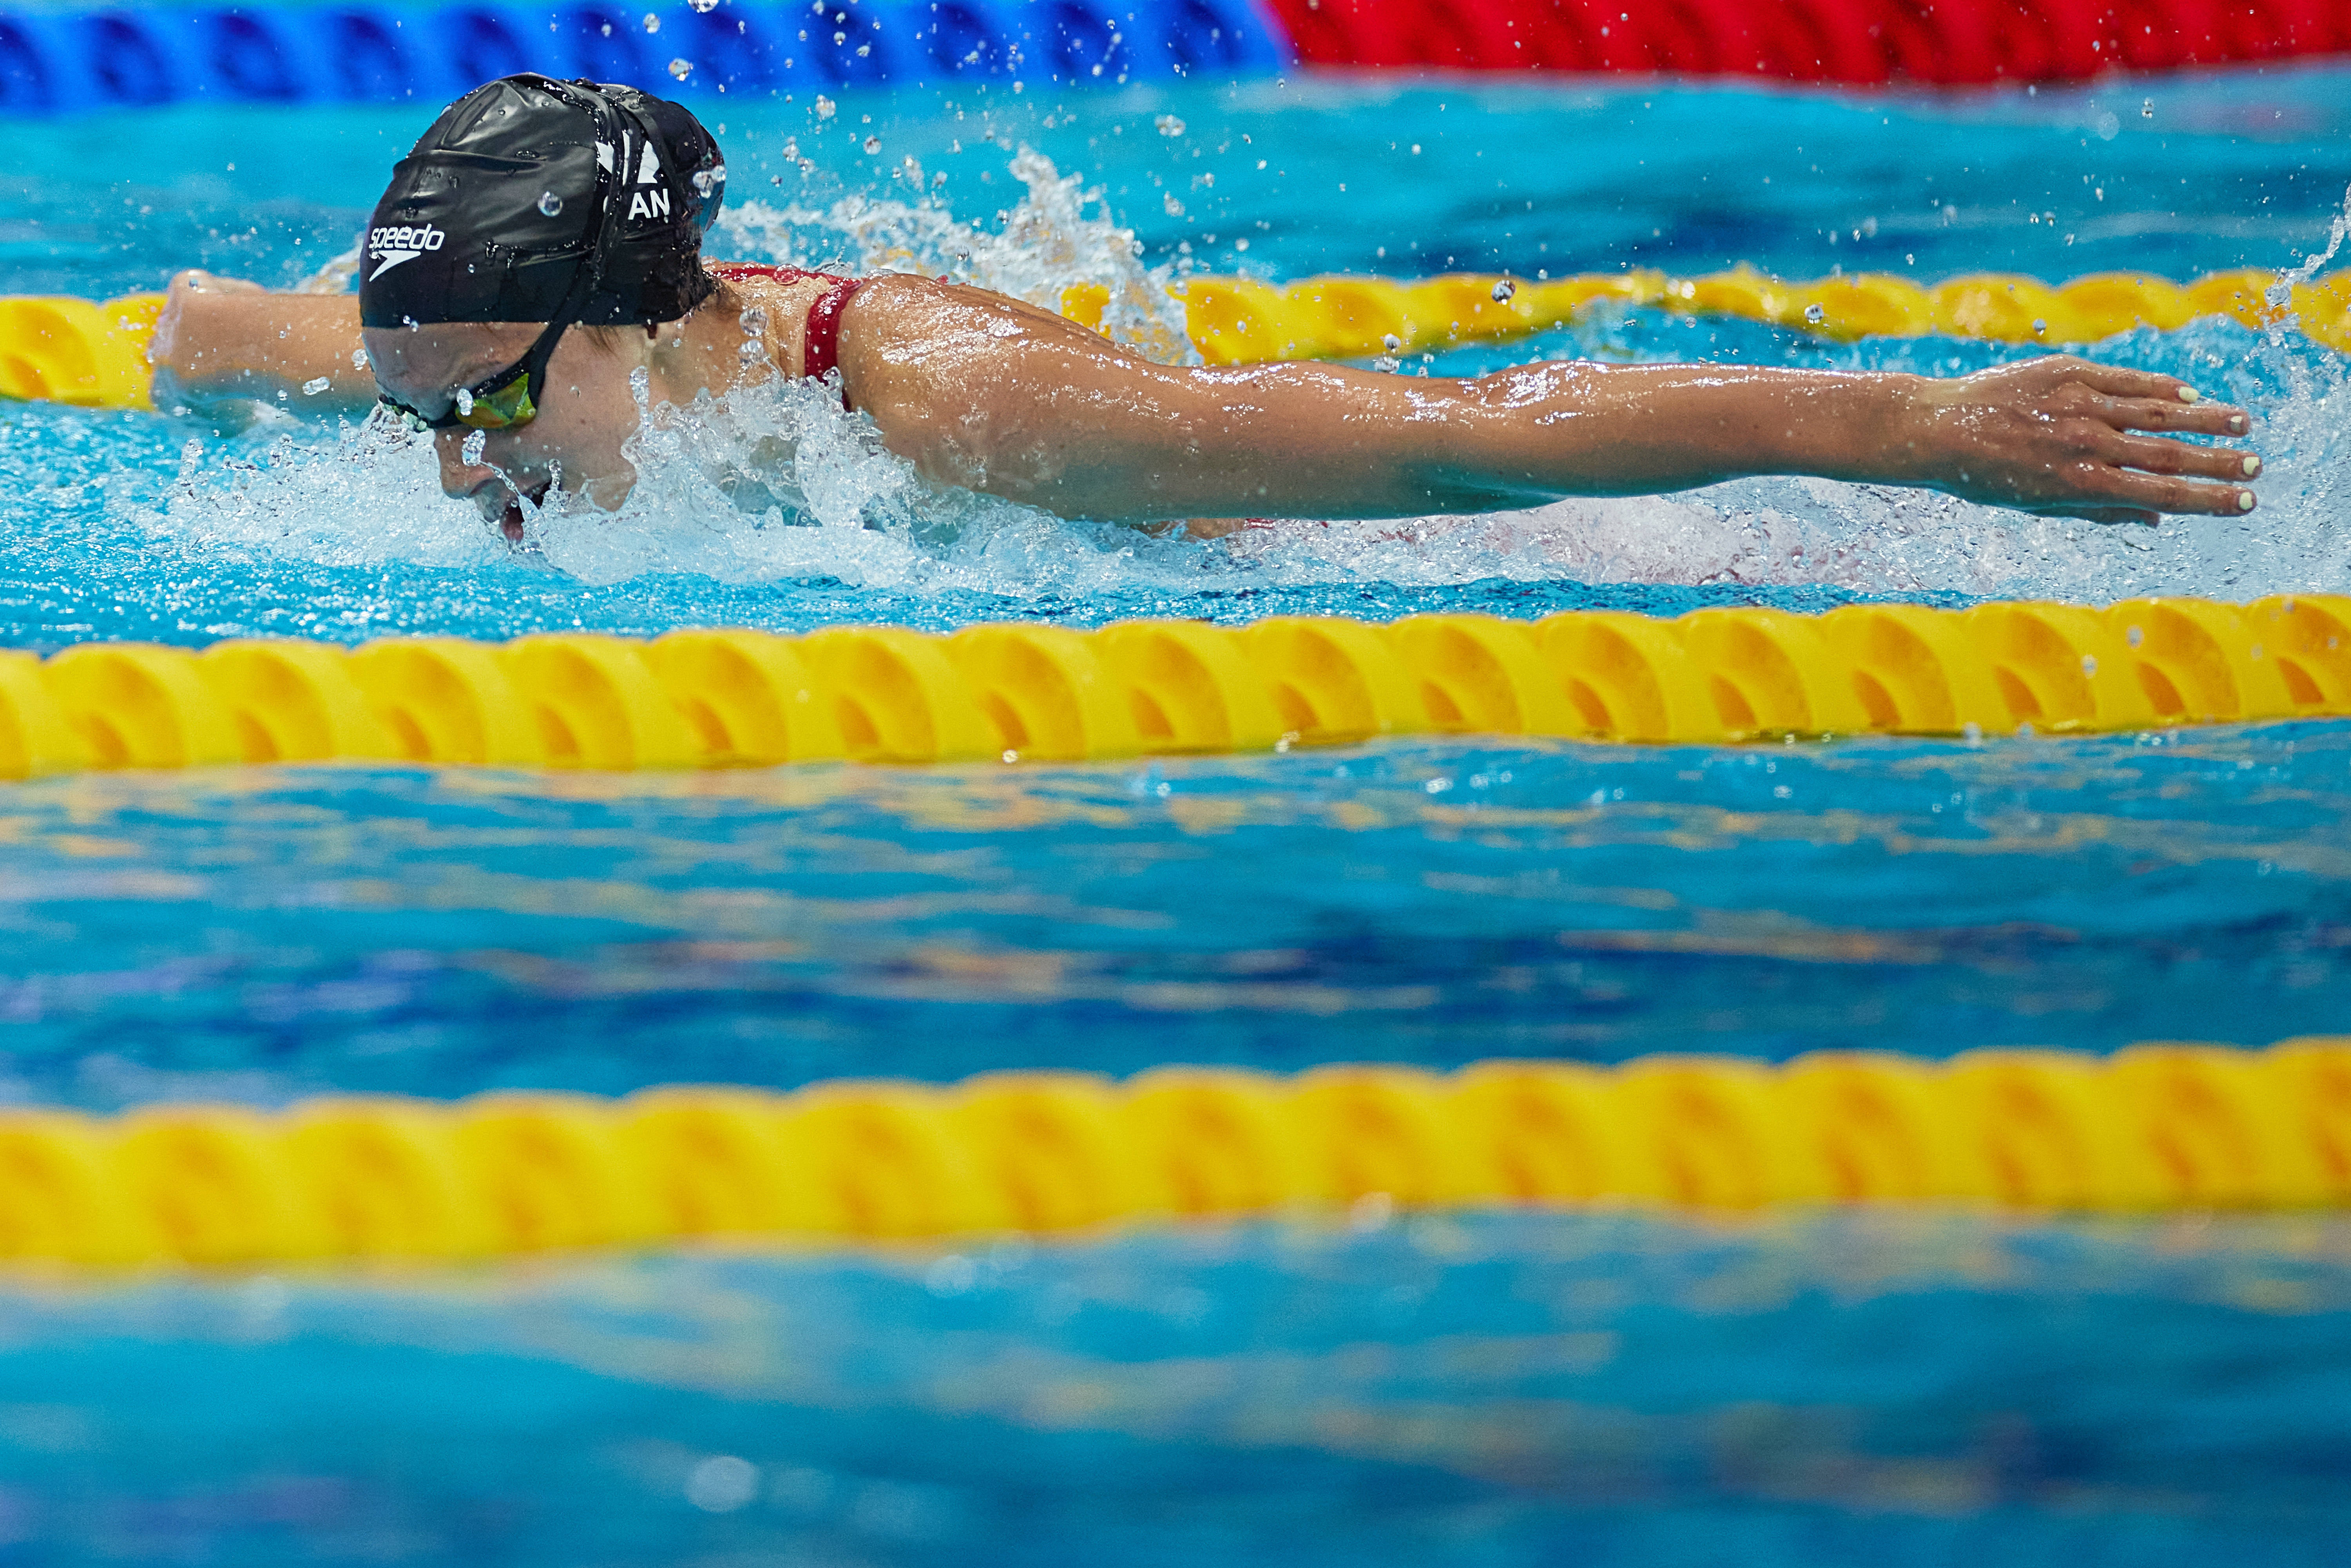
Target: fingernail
x=2189, y=395
x=2245, y=500
x=2252, y=466
x=2237, y=423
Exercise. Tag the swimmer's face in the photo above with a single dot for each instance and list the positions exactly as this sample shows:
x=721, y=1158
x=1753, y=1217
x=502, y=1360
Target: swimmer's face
x=585, y=413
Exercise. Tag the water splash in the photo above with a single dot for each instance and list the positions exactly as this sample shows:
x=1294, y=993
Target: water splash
x=1047, y=244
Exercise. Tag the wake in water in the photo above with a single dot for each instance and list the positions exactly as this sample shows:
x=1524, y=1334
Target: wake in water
x=776, y=482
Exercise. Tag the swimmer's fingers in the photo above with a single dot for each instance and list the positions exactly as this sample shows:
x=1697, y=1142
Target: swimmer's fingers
x=2159, y=456
x=2102, y=488
x=2180, y=418
x=2121, y=380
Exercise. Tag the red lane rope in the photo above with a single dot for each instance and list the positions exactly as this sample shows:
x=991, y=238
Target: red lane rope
x=1949, y=42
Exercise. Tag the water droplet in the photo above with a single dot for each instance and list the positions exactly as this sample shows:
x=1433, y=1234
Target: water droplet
x=2134, y=636
x=681, y=68
x=1175, y=208
x=550, y=204
x=2146, y=109
x=653, y=23
x=722, y=1484
x=1391, y=342
x=873, y=144
x=1503, y=289
x=316, y=385
x=703, y=7
x=1168, y=125
x=751, y=352
x=474, y=444
x=825, y=107
x=1815, y=315
x=465, y=401
x=755, y=321
x=707, y=180
x=359, y=358
x=2089, y=665
x=952, y=1275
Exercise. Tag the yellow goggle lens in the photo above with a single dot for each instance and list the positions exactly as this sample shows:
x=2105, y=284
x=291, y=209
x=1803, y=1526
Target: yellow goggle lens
x=503, y=409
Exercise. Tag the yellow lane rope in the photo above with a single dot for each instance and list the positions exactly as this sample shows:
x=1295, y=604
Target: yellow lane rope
x=2155, y=1128
x=881, y=694
x=64, y=349
x=57, y=348
x=1239, y=321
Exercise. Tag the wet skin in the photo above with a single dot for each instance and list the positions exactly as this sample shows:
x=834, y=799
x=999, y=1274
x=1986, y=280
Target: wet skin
x=984, y=391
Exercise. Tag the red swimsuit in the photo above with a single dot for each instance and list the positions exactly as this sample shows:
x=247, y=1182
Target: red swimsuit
x=820, y=349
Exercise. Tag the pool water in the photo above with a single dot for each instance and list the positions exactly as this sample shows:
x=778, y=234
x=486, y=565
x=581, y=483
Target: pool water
x=1928, y=1387
x=1890, y=1390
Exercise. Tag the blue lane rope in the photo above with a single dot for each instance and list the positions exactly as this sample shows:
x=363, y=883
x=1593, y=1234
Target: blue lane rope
x=54, y=62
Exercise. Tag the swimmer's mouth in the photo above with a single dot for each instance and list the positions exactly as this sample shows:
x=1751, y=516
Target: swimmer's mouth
x=510, y=520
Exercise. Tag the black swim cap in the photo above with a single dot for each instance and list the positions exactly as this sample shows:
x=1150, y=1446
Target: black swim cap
x=532, y=199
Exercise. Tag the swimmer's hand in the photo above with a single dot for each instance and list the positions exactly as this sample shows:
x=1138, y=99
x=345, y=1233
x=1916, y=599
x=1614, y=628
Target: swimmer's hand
x=223, y=345
x=2059, y=436
x=181, y=345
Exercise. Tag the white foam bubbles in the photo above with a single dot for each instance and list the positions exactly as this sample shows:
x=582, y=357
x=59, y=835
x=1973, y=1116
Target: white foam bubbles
x=357, y=495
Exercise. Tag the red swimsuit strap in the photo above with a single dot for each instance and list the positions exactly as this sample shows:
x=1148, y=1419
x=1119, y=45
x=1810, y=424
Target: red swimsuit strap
x=820, y=346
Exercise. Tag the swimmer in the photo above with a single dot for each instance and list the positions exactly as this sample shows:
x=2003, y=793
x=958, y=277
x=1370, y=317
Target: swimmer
x=542, y=245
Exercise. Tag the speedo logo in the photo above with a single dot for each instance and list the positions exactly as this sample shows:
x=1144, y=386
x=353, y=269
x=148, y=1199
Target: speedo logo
x=397, y=243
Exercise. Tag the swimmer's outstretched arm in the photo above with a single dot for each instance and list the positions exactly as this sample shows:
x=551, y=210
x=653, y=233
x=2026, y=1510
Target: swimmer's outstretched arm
x=222, y=337
x=982, y=391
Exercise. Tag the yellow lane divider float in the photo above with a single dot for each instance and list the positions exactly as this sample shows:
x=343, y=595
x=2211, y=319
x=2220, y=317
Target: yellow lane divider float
x=879, y=694
x=71, y=350
x=2152, y=1128
x=57, y=349
x=1239, y=321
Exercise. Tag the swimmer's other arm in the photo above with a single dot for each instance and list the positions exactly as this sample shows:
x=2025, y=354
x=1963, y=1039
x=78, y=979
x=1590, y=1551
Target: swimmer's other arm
x=223, y=340
x=981, y=392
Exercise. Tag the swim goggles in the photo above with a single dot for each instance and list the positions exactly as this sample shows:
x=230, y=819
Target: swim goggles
x=507, y=401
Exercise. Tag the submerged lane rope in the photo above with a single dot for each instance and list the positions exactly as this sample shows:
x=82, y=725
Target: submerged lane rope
x=2155, y=1128
x=63, y=350
x=1014, y=691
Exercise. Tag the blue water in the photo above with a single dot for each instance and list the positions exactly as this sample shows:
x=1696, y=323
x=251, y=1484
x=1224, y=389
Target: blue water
x=262, y=935
x=1894, y=1388
x=1883, y=1389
